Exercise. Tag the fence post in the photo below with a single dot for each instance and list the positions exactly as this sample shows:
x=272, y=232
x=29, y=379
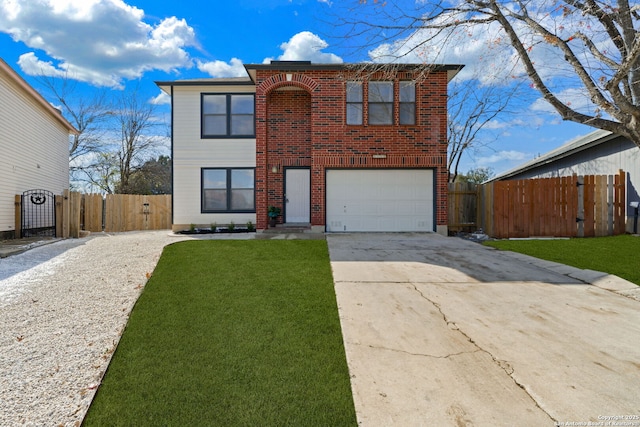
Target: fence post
x=580, y=217
x=146, y=211
x=620, y=203
x=59, y=215
x=74, y=214
x=18, y=216
x=65, y=214
x=610, y=205
x=488, y=211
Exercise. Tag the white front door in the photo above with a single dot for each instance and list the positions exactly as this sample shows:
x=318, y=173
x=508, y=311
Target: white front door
x=297, y=189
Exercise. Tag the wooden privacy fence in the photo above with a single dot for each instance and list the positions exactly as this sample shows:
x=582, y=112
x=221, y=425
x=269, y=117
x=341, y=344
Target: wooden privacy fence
x=574, y=206
x=125, y=212
x=76, y=212
x=463, y=207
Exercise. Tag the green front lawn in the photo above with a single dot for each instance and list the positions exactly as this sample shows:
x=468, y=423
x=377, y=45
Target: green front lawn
x=618, y=255
x=232, y=333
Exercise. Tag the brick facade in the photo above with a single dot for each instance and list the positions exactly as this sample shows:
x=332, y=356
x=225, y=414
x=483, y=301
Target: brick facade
x=301, y=122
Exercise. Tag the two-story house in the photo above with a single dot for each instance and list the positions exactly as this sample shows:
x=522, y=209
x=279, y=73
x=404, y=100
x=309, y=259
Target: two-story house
x=34, y=139
x=337, y=147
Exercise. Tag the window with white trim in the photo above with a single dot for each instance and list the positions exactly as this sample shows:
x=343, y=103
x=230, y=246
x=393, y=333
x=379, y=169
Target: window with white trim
x=228, y=190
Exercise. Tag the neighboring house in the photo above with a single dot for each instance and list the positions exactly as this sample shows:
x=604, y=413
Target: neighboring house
x=597, y=153
x=34, y=137
x=335, y=148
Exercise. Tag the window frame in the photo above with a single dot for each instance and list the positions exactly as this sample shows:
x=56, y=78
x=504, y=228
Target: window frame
x=402, y=103
x=387, y=103
x=228, y=116
x=359, y=102
x=229, y=190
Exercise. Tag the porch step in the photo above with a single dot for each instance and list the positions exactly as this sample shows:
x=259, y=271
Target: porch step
x=288, y=229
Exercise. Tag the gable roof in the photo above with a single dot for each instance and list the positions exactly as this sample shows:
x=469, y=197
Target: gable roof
x=575, y=145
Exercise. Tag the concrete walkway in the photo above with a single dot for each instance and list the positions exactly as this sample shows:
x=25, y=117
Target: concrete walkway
x=445, y=332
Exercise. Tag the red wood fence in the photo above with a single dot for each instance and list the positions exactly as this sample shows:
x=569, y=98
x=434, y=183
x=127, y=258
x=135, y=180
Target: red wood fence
x=463, y=207
x=575, y=206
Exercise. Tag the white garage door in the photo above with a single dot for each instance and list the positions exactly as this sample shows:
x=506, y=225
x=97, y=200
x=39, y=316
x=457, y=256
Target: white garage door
x=380, y=200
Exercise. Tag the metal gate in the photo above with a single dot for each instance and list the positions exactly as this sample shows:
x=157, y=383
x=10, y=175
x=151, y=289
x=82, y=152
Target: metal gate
x=38, y=214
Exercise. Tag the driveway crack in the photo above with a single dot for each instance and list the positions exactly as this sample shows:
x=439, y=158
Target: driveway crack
x=430, y=356
x=502, y=364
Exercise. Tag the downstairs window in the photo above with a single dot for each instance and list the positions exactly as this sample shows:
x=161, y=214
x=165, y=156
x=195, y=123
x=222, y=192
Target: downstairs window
x=228, y=190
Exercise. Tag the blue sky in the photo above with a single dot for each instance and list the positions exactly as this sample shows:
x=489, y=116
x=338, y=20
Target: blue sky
x=119, y=44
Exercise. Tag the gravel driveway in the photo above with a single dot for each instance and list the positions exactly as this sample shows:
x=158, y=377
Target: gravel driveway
x=63, y=307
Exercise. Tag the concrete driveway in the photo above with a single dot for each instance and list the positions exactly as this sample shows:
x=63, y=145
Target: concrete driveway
x=445, y=332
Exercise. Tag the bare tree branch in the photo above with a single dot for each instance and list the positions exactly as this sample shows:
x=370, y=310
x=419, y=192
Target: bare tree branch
x=102, y=156
x=471, y=109
x=603, y=48
x=134, y=118
x=87, y=114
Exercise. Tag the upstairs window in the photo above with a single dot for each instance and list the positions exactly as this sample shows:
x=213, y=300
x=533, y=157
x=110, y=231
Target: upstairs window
x=228, y=115
x=380, y=103
x=407, y=103
x=354, y=103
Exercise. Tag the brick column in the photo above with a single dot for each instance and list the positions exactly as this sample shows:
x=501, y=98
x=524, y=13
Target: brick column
x=262, y=183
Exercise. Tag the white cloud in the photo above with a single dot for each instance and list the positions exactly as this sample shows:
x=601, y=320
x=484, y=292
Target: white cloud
x=304, y=46
x=518, y=122
x=542, y=106
x=97, y=41
x=487, y=53
x=577, y=99
x=500, y=156
x=161, y=99
x=31, y=65
x=496, y=124
x=223, y=69
x=482, y=49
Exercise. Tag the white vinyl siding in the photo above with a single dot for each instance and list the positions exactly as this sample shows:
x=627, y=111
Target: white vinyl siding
x=191, y=153
x=35, y=149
